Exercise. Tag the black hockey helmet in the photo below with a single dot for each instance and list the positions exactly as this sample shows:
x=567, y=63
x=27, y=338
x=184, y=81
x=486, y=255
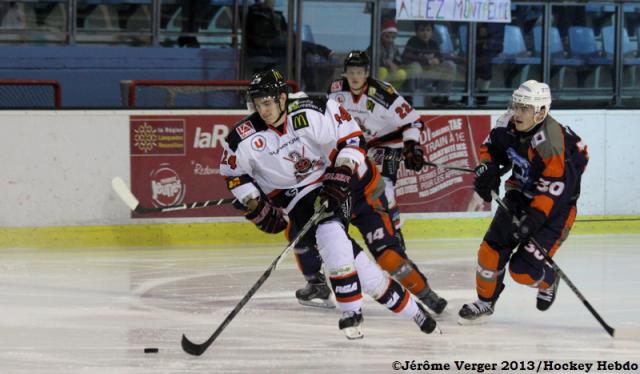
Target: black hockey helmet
x=268, y=83
x=357, y=58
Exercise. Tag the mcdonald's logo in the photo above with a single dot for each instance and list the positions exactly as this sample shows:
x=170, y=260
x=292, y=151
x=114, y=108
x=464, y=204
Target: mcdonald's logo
x=300, y=121
x=370, y=105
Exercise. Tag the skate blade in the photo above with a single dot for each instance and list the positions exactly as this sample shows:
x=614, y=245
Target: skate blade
x=468, y=322
x=318, y=303
x=353, y=333
x=437, y=330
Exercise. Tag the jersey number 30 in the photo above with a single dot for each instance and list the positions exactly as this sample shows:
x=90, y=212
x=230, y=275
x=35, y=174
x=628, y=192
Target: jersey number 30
x=554, y=188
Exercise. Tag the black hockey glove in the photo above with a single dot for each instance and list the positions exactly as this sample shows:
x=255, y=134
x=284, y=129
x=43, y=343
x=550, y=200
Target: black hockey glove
x=530, y=221
x=413, y=155
x=487, y=180
x=267, y=217
x=335, y=186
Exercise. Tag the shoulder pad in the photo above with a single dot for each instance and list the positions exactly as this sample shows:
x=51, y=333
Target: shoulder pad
x=319, y=104
x=243, y=129
x=339, y=85
x=381, y=92
x=549, y=140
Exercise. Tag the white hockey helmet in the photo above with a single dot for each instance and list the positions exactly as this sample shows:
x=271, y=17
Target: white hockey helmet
x=533, y=93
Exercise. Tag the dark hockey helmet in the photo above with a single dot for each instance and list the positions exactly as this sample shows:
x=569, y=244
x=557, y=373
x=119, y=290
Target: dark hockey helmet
x=268, y=83
x=357, y=58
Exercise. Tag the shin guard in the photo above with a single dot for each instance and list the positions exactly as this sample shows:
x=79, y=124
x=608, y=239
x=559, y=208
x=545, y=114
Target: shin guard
x=404, y=271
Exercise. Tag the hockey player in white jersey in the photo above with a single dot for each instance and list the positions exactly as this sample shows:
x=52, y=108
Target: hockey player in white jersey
x=288, y=158
x=393, y=128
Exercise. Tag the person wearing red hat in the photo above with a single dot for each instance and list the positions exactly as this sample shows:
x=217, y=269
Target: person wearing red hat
x=389, y=55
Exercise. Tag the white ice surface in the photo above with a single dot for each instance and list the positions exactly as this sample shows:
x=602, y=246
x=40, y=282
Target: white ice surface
x=94, y=311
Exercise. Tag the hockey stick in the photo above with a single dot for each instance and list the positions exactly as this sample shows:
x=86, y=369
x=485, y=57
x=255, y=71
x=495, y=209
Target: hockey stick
x=198, y=349
x=127, y=196
x=610, y=330
x=435, y=165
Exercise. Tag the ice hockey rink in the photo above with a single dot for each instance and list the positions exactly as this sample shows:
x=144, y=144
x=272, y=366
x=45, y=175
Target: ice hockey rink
x=95, y=310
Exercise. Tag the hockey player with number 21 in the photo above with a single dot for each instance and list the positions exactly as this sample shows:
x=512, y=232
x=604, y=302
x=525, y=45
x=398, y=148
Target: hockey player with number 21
x=547, y=160
x=389, y=122
x=292, y=156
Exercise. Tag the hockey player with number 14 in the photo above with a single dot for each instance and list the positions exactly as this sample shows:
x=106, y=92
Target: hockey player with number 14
x=293, y=156
x=548, y=160
x=392, y=130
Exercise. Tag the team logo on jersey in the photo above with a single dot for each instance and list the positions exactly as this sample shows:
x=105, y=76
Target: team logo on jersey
x=537, y=139
x=258, y=143
x=336, y=86
x=303, y=165
x=372, y=91
x=300, y=121
x=293, y=106
x=340, y=98
x=370, y=105
x=233, y=182
x=245, y=129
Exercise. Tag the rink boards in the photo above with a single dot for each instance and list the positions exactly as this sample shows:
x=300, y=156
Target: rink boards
x=57, y=168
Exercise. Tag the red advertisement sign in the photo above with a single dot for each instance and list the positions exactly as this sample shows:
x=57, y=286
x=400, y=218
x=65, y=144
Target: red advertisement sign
x=175, y=160
x=449, y=140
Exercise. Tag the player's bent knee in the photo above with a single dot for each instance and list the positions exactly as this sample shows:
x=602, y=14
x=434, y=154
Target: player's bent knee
x=393, y=262
x=334, y=245
x=374, y=282
x=402, y=270
x=522, y=278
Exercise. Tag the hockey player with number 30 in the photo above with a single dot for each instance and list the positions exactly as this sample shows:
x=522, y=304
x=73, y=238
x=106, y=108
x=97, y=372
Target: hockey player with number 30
x=389, y=122
x=292, y=156
x=547, y=161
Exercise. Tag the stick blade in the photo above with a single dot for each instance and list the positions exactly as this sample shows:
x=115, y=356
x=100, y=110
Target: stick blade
x=627, y=333
x=124, y=192
x=193, y=348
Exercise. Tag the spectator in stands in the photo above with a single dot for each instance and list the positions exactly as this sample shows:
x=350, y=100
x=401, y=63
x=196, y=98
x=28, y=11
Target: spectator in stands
x=390, y=59
x=193, y=14
x=266, y=35
x=489, y=42
x=12, y=15
x=427, y=67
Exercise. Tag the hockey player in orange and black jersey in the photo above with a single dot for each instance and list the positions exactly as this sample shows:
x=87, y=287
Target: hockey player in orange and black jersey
x=547, y=160
x=292, y=156
x=393, y=128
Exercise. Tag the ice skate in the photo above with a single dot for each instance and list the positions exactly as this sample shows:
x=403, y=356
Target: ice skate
x=547, y=296
x=475, y=313
x=433, y=301
x=424, y=320
x=351, y=324
x=316, y=293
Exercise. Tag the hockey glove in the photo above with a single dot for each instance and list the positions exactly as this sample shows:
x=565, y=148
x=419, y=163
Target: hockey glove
x=530, y=221
x=335, y=187
x=413, y=155
x=487, y=180
x=267, y=217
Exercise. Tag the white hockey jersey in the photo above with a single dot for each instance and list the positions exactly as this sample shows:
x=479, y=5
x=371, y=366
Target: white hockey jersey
x=379, y=111
x=288, y=164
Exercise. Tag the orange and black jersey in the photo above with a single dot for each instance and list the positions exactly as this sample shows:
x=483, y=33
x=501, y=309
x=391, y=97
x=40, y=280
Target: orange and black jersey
x=547, y=161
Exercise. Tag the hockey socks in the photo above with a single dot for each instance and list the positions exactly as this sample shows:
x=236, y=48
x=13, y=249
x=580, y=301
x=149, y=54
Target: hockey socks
x=399, y=301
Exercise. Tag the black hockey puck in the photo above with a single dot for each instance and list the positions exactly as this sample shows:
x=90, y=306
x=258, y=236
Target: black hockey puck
x=151, y=350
